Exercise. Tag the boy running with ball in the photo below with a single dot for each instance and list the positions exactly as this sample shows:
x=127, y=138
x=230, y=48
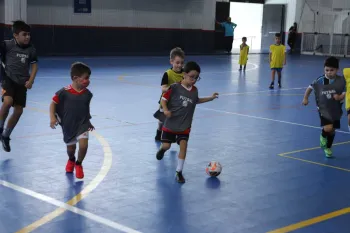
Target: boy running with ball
x=179, y=104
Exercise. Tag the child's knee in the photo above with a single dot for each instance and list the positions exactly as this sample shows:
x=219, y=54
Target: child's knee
x=166, y=146
x=83, y=143
x=18, y=110
x=71, y=148
x=8, y=102
x=183, y=144
x=328, y=128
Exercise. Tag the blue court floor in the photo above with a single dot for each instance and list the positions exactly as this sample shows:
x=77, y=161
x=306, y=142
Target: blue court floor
x=275, y=177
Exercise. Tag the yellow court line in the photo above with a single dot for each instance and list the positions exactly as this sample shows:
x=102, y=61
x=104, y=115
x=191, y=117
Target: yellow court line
x=321, y=218
x=106, y=166
x=311, y=221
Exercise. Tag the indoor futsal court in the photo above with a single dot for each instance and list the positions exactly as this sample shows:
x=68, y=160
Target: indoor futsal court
x=275, y=177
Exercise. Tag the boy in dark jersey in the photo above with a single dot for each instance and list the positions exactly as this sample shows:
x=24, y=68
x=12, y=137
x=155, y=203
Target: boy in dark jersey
x=172, y=75
x=179, y=104
x=18, y=71
x=329, y=92
x=70, y=107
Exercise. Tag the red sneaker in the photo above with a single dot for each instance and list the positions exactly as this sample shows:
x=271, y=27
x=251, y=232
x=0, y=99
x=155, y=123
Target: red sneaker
x=70, y=166
x=79, y=173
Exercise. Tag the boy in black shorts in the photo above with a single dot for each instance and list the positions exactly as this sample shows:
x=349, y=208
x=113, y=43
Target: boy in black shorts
x=179, y=104
x=329, y=92
x=70, y=107
x=18, y=56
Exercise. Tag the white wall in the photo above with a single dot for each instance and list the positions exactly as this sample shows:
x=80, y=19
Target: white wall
x=179, y=14
x=332, y=17
x=2, y=11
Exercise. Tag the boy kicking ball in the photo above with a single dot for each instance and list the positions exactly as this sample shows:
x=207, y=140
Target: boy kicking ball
x=179, y=104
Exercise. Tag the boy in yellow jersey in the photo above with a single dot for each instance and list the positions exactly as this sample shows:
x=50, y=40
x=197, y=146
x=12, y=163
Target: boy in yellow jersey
x=346, y=73
x=171, y=76
x=277, y=60
x=243, y=55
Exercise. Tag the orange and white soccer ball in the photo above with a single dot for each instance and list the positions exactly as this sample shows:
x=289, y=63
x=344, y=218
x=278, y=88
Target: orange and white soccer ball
x=214, y=168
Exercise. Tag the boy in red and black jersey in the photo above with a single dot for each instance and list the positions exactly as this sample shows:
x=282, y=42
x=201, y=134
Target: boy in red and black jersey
x=179, y=104
x=70, y=108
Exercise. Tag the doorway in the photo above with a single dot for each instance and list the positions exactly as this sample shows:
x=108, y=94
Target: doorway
x=249, y=18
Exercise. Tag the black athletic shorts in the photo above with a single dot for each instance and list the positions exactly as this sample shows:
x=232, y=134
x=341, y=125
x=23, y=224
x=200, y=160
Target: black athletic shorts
x=173, y=137
x=16, y=91
x=324, y=121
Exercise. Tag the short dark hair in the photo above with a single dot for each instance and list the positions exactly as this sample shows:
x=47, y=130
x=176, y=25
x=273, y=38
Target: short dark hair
x=191, y=65
x=332, y=62
x=20, y=26
x=244, y=38
x=79, y=69
x=278, y=35
x=177, y=52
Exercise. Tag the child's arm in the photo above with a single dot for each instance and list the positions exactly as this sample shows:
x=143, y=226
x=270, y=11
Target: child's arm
x=53, y=119
x=164, y=84
x=306, y=96
x=34, y=69
x=285, y=57
x=340, y=97
x=207, y=99
x=164, y=102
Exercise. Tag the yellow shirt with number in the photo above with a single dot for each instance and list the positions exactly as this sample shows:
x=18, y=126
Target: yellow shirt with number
x=278, y=53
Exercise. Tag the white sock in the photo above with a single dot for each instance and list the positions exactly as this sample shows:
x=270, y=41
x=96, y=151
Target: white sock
x=180, y=165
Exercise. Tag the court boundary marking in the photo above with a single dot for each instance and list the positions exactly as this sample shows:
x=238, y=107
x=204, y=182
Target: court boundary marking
x=317, y=219
x=69, y=205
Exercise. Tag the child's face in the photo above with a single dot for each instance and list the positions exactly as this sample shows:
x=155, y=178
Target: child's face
x=244, y=41
x=177, y=63
x=278, y=40
x=82, y=81
x=22, y=38
x=330, y=72
x=191, y=77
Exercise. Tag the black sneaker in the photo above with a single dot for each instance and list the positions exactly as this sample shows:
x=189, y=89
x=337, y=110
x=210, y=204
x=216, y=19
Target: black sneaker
x=279, y=85
x=6, y=143
x=160, y=154
x=271, y=86
x=179, y=177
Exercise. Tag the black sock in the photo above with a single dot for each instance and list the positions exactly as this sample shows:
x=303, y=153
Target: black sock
x=78, y=163
x=72, y=159
x=272, y=83
x=330, y=139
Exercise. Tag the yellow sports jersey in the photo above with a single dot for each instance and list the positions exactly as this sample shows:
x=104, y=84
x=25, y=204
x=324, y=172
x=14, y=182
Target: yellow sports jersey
x=243, y=55
x=278, y=53
x=174, y=77
x=346, y=73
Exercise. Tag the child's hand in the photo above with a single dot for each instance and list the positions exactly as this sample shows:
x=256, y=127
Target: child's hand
x=28, y=85
x=167, y=113
x=337, y=97
x=53, y=122
x=305, y=101
x=91, y=127
x=215, y=95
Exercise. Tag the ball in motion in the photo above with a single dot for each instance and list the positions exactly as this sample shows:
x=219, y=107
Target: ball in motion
x=214, y=168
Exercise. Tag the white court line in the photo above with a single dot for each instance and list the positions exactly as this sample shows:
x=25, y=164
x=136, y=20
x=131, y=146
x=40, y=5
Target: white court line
x=65, y=206
x=254, y=92
x=267, y=119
